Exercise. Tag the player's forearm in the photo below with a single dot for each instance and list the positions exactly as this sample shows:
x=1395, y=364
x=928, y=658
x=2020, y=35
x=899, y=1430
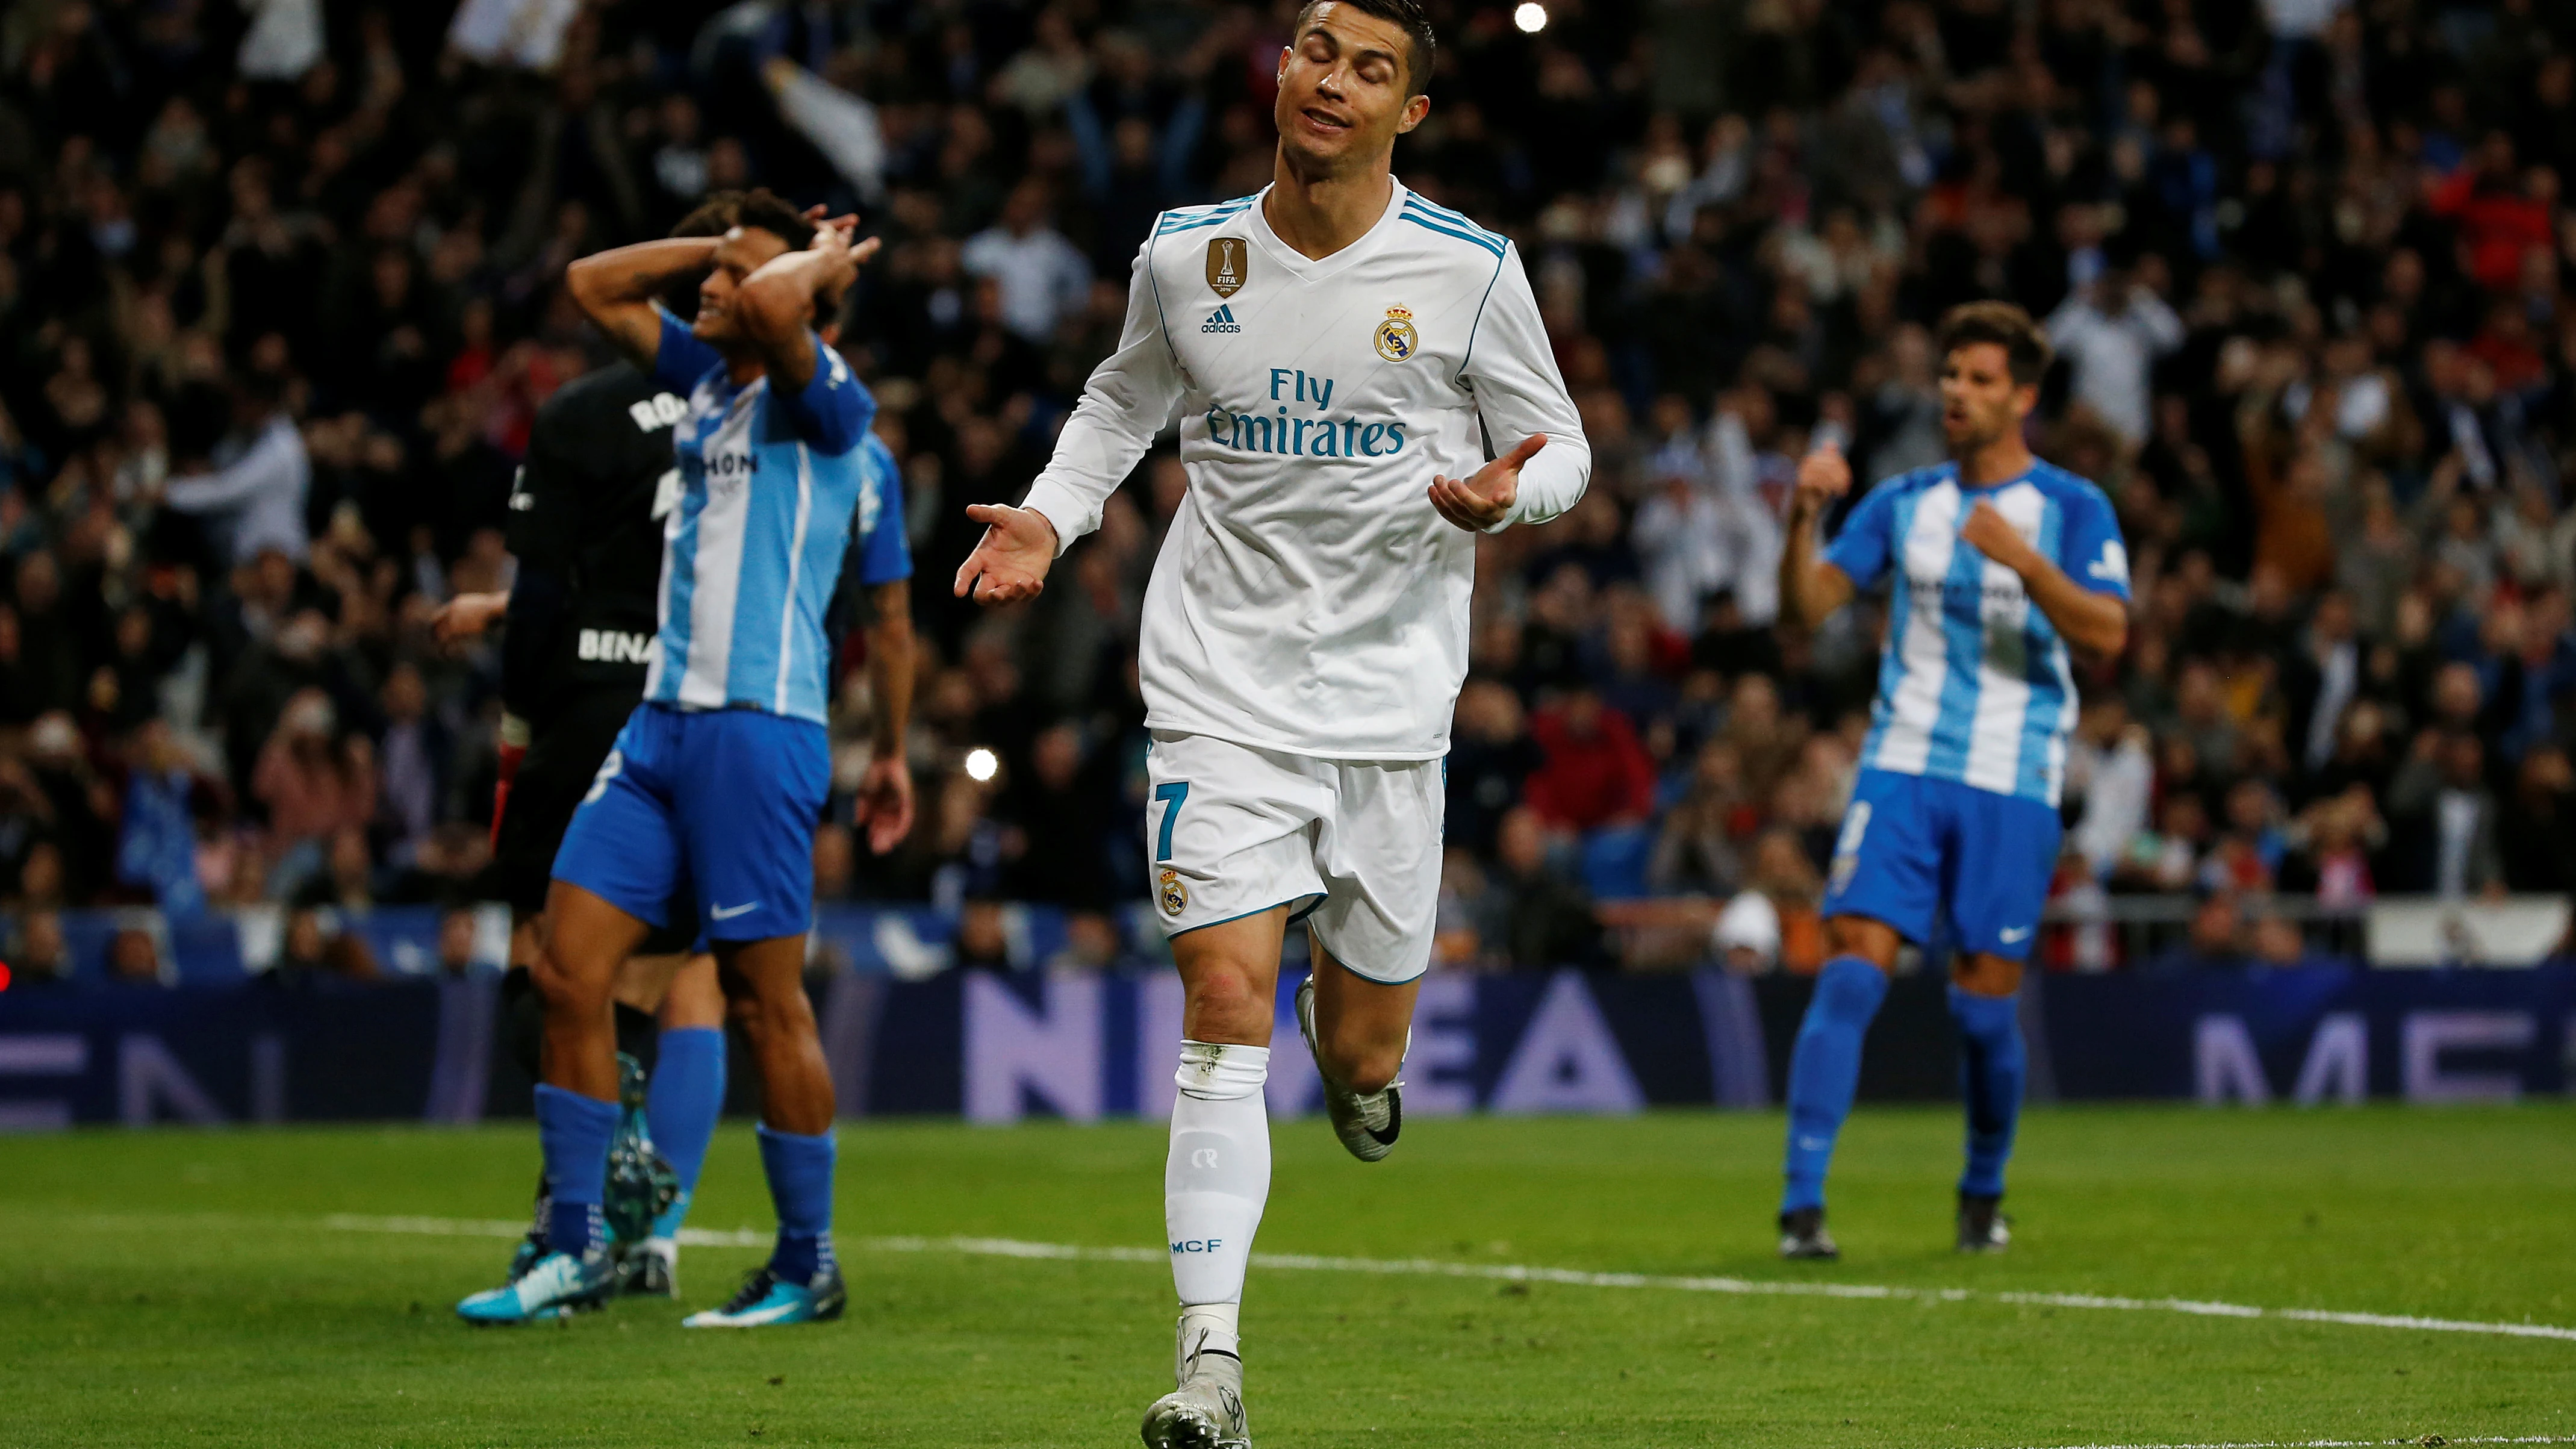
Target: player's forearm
x=2095, y=626
x=1810, y=590
x=615, y=288
x=890, y=673
x=635, y=274
x=1552, y=482
x=1100, y=445
x=777, y=305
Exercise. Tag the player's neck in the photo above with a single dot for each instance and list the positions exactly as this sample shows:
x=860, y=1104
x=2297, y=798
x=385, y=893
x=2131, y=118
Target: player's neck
x=746, y=367
x=1318, y=214
x=2000, y=461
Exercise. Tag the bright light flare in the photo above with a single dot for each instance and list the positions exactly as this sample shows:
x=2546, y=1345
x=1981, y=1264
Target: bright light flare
x=982, y=764
x=1531, y=17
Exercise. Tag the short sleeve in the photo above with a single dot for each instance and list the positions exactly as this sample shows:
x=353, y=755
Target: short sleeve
x=885, y=555
x=833, y=413
x=2089, y=546
x=1863, y=548
x=680, y=359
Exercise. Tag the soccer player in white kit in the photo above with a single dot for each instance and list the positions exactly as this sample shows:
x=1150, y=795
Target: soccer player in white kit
x=1341, y=355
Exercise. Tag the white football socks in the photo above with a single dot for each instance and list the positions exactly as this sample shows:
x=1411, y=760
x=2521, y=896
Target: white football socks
x=1214, y=1185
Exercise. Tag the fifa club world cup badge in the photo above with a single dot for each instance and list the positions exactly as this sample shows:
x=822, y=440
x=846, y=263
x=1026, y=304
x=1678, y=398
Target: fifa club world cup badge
x=1225, y=265
x=1396, y=339
x=1174, y=896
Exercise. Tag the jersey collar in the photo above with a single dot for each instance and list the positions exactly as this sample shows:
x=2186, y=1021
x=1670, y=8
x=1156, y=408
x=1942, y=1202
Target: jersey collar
x=1307, y=269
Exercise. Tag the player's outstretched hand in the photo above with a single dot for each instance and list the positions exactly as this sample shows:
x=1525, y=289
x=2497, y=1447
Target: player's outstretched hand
x=884, y=807
x=1478, y=503
x=467, y=616
x=1011, y=560
x=1823, y=476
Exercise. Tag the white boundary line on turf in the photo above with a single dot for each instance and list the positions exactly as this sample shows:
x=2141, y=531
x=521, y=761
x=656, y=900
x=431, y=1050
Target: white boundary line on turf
x=2335, y=1443
x=1522, y=1273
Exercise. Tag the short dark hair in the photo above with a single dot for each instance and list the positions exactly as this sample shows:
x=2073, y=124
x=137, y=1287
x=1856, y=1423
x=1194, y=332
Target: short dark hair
x=2026, y=350
x=713, y=216
x=1408, y=16
x=762, y=210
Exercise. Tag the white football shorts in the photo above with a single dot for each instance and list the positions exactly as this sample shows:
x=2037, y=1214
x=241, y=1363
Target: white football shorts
x=1352, y=847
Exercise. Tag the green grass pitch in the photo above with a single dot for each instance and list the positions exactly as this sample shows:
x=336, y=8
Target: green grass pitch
x=173, y=1288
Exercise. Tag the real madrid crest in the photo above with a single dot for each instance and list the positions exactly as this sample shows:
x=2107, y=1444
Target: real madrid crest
x=1174, y=896
x=1225, y=267
x=1396, y=340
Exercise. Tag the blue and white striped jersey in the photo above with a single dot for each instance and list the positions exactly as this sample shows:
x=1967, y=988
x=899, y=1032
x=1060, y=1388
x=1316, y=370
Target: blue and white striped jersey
x=1974, y=686
x=751, y=554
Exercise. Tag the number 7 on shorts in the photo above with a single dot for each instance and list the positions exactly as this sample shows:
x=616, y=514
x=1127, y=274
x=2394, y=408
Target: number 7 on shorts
x=1175, y=791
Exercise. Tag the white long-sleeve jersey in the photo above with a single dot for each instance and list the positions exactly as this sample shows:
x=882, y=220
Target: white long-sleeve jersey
x=1308, y=598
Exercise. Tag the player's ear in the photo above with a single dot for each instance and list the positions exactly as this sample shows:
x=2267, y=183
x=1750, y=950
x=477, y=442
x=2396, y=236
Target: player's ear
x=1414, y=110
x=1284, y=53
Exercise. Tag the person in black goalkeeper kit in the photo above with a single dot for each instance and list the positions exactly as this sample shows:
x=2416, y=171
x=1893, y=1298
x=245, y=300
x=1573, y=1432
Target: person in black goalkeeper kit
x=585, y=525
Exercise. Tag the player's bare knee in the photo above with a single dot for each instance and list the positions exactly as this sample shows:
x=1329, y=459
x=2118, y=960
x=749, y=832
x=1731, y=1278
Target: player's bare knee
x=1873, y=941
x=568, y=988
x=1227, y=1006
x=1979, y=974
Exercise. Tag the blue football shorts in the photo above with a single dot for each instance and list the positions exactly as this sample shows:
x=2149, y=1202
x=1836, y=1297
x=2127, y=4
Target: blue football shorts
x=1913, y=849
x=711, y=807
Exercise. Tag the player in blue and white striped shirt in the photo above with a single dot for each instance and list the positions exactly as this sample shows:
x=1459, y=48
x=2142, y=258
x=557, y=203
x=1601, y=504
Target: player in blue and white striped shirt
x=714, y=789
x=2001, y=566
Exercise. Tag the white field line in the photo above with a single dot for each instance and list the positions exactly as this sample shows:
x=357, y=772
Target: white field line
x=1522, y=1273
x=2429, y=1439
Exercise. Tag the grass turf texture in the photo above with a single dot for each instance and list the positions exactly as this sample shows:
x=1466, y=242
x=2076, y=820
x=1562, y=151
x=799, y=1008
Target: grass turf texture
x=178, y=1288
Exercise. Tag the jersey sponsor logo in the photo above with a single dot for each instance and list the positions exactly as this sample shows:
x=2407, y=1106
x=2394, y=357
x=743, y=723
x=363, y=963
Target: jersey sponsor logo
x=1173, y=896
x=1280, y=431
x=613, y=646
x=2113, y=565
x=727, y=913
x=657, y=412
x=1226, y=261
x=1221, y=320
x=2014, y=936
x=1396, y=340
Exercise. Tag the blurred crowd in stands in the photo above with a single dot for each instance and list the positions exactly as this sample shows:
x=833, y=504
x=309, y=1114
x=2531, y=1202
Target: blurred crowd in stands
x=280, y=289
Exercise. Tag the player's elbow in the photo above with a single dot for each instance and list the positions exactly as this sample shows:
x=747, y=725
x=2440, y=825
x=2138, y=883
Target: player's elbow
x=588, y=280
x=2102, y=639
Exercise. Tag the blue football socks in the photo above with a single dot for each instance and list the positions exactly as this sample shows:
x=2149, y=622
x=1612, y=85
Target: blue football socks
x=681, y=1107
x=575, y=1131
x=800, y=1186
x=1824, y=1072
x=1992, y=1069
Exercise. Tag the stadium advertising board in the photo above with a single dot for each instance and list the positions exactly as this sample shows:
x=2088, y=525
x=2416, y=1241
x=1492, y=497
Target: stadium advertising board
x=1000, y=1046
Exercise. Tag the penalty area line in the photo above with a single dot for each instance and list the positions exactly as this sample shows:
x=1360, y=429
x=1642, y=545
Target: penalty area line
x=1569, y=1277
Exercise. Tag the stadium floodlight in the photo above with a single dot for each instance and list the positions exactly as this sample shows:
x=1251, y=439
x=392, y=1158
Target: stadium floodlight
x=982, y=764
x=1531, y=17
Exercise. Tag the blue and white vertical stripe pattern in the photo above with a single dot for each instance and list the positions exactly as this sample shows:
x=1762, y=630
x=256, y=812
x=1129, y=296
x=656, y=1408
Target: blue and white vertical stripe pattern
x=751, y=555
x=1975, y=685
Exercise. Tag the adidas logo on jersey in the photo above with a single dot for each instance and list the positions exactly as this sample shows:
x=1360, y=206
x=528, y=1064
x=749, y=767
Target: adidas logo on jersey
x=1221, y=320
